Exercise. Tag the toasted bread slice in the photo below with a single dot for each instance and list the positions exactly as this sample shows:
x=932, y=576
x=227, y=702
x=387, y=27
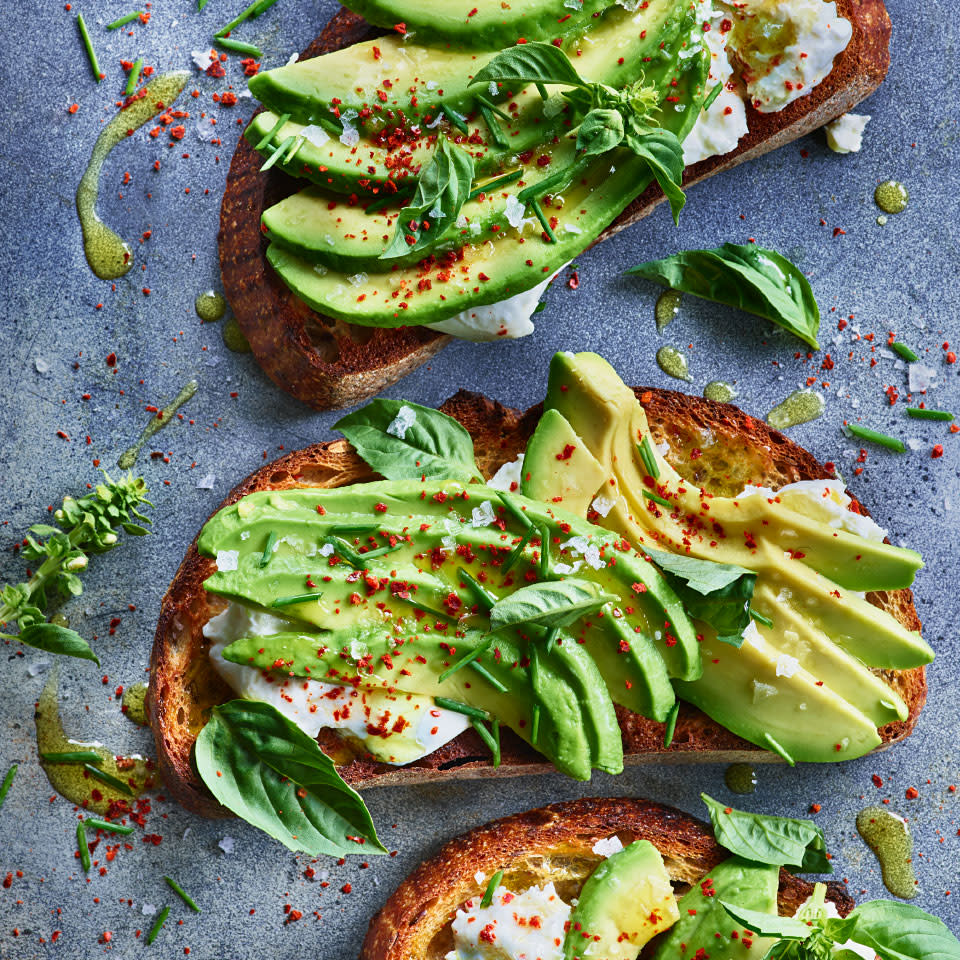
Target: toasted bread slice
x=550, y=844
x=327, y=363
x=184, y=686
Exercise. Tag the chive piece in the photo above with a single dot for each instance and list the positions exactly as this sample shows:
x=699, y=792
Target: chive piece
x=648, y=457
x=460, y=122
x=381, y=551
x=356, y=529
x=485, y=598
x=7, y=780
x=922, y=413
x=184, y=896
x=491, y=889
x=517, y=552
x=108, y=778
x=656, y=498
x=236, y=21
x=495, y=183
x=157, y=924
x=84, y=849
x=671, y=724
x=274, y=130
x=544, y=551
x=488, y=676
x=425, y=608
x=493, y=108
x=711, y=96
x=277, y=154
x=345, y=551
x=134, y=77
x=95, y=824
x=515, y=509
x=296, y=598
x=535, y=725
x=268, y=549
x=238, y=46
x=262, y=7
x=330, y=126
x=88, y=44
x=201, y=4
x=496, y=134
x=904, y=351
x=495, y=729
x=760, y=618
x=73, y=756
x=489, y=739
x=463, y=661
x=129, y=18
x=546, y=185
x=544, y=222
x=457, y=707
x=542, y=90
x=776, y=748
x=874, y=436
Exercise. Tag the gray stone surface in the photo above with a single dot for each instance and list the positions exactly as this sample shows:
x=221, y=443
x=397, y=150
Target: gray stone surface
x=899, y=277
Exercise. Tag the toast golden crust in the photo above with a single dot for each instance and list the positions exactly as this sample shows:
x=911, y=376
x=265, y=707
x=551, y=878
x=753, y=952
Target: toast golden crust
x=327, y=363
x=548, y=844
x=737, y=450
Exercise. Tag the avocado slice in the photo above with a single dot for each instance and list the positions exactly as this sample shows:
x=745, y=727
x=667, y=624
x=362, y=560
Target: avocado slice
x=558, y=467
x=624, y=904
x=706, y=929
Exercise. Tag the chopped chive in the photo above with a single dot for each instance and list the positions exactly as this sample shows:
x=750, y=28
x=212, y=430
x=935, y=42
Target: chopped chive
x=671, y=724
x=157, y=924
x=904, y=351
x=330, y=126
x=491, y=889
x=425, y=607
x=656, y=498
x=495, y=729
x=88, y=45
x=495, y=183
x=460, y=122
x=457, y=707
x=134, y=76
x=760, y=618
x=7, y=780
x=496, y=134
x=129, y=18
x=544, y=222
x=547, y=184
x=84, y=849
x=517, y=552
x=345, y=551
x=544, y=550
x=268, y=549
x=201, y=4
x=95, y=824
x=277, y=154
x=542, y=90
x=535, y=725
x=492, y=742
x=382, y=551
x=922, y=413
x=513, y=507
x=711, y=96
x=262, y=7
x=295, y=148
x=776, y=748
x=184, y=896
x=274, y=130
x=484, y=597
x=488, y=676
x=236, y=21
x=108, y=778
x=469, y=658
x=494, y=109
x=238, y=46
x=73, y=756
x=296, y=598
x=357, y=529
x=874, y=436
x=649, y=458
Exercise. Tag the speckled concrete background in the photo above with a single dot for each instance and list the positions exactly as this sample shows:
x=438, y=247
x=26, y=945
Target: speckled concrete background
x=898, y=277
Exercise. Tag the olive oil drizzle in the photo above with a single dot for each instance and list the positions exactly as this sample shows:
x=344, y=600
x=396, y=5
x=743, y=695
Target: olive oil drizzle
x=134, y=703
x=801, y=406
x=891, y=196
x=668, y=306
x=234, y=338
x=740, y=778
x=129, y=456
x=673, y=363
x=719, y=391
x=888, y=836
x=210, y=306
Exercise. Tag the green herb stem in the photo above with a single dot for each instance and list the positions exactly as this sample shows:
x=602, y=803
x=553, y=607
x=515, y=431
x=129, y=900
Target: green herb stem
x=649, y=458
x=491, y=889
x=425, y=607
x=544, y=567
x=134, y=77
x=95, y=824
x=108, y=778
x=494, y=682
x=671, y=725
x=262, y=7
x=875, y=436
x=495, y=183
x=7, y=781
x=904, y=351
x=296, y=598
x=82, y=846
x=236, y=21
x=72, y=756
x=277, y=154
x=267, y=554
x=544, y=222
x=656, y=498
x=88, y=46
x=157, y=925
x=542, y=90
x=515, y=510
x=457, y=707
x=535, y=724
x=493, y=108
x=517, y=552
x=496, y=134
x=711, y=96
x=492, y=740
x=463, y=661
x=238, y=46
x=184, y=896
x=485, y=598
x=922, y=413
x=129, y=18
x=274, y=130
x=760, y=618
x=455, y=118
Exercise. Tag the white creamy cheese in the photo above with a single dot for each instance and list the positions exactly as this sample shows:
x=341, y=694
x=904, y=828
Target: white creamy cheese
x=509, y=476
x=396, y=728
x=607, y=846
x=522, y=926
x=845, y=134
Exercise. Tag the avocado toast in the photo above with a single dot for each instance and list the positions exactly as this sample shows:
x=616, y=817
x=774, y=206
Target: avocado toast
x=713, y=446
x=324, y=358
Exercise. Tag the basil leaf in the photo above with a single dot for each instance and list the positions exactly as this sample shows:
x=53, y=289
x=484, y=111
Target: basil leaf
x=554, y=604
x=781, y=841
x=899, y=931
x=664, y=155
x=442, y=189
x=266, y=770
x=57, y=639
x=756, y=280
x=601, y=130
x=717, y=593
x=530, y=63
x=768, y=924
x=405, y=441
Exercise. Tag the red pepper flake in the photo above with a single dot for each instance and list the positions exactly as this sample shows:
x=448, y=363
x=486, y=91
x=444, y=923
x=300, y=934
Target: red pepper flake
x=936, y=452
x=912, y=793
x=567, y=452
x=111, y=359
x=401, y=28
x=228, y=99
x=216, y=70
x=346, y=888
x=179, y=131
x=838, y=232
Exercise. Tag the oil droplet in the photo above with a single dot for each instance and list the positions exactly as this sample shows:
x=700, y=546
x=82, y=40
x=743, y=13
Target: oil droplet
x=129, y=456
x=740, y=778
x=881, y=221
x=719, y=391
x=234, y=337
x=210, y=306
x=109, y=255
x=888, y=836
x=800, y=407
x=891, y=196
x=60, y=619
x=134, y=704
x=668, y=306
x=673, y=363
x=70, y=780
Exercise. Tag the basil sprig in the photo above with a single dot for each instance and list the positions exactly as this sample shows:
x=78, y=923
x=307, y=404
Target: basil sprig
x=781, y=841
x=443, y=187
x=406, y=441
x=265, y=769
x=759, y=281
x=556, y=603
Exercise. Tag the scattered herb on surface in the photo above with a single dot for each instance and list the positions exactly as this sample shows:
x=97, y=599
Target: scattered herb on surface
x=875, y=436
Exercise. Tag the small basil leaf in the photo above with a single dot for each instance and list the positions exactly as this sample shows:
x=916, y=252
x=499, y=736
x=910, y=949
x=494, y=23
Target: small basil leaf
x=664, y=155
x=530, y=63
x=266, y=770
x=405, y=441
x=601, y=130
x=553, y=604
x=769, y=925
x=900, y=931
x=756, y=280
x=57, y=639
x=781, y=841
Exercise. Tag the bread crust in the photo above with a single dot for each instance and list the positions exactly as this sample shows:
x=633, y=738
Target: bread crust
x=551, y=843
x=184, y=686
x=327, y=363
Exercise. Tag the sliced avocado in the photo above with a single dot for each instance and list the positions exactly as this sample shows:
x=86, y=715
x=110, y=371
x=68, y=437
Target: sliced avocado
x=625, y=902
x=705, y=929
x=558, y=467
